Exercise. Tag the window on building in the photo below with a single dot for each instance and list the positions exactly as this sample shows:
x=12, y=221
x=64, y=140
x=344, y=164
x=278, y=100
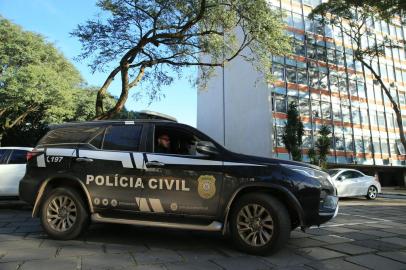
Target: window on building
x=316, y=108
x=356, y=116
x=381, y=119
x=359, y=145
x=372, y=116
x=345, y=110
x=326, y=110
x=339, y=142
x=377, y=146
x=384, y=146
x=349, y=144
x=280, y=103
x=291, y=74
x=304, y=107
x=278, y=71
x=307, y=139
x=364, y=117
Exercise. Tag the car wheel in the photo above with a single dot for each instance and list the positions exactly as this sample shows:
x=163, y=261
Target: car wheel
x=63, y=214
x=372, y=193
x=259, y=224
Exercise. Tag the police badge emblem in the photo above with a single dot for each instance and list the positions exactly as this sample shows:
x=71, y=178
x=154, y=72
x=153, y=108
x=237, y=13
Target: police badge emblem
x=206, y=186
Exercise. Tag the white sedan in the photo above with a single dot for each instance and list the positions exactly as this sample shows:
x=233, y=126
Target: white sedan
x=12, y=168
x=351, y=183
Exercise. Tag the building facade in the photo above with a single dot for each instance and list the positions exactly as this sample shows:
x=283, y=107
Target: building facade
x=330, y=87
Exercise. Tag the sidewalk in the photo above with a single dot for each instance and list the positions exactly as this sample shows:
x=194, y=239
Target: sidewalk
x=400, y=191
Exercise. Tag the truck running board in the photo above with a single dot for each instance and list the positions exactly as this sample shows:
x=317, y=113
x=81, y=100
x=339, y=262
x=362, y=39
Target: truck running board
x=212, y=227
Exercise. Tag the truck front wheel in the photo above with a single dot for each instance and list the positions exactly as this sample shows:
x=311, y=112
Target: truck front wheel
x=259, y=224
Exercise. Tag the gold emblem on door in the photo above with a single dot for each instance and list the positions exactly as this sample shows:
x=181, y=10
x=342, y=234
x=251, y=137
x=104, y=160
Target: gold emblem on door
x=206, y=186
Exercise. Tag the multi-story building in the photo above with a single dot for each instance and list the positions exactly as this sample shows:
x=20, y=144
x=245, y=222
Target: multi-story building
x=328, y=85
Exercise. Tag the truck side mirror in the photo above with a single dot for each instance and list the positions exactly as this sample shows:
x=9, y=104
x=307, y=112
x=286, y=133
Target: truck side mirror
x=206, y=148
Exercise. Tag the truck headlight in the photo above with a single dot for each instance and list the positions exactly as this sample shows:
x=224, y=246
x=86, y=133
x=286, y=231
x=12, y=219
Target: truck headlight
x=323, y=177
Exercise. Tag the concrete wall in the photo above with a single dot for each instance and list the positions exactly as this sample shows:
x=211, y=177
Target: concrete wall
x=247, y=111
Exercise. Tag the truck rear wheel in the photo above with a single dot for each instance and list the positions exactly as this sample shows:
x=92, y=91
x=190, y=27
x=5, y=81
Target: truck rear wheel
x=259, y=224
x=63, y=214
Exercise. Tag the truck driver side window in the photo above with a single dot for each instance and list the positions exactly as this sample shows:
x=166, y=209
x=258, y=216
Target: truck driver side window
x=169, y=140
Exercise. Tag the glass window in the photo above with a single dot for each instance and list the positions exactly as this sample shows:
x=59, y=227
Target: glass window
x=359, y=145
x=278, y=71
x=326, y=110
x=361, y=89
x=298, y=21
x=352, y=87
x=280, y=103
x=69, y=135
x=372, y=116
x=3, y=155
x=384, y=147
x=18, y=157
x=367, y=144
x=356, y=117
x=381, y=119
x=339, y=142
x=316, y=108
x=307, y=139
x=123, y=138
x=349, y=144
x=377, y=146
x=337, y=113
x=346, y=113
x=291, y=74
x=279, y=133
x=301, y=76
x=364, y=117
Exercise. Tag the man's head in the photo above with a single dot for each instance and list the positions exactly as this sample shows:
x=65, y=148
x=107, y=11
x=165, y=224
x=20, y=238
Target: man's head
x=164, y=141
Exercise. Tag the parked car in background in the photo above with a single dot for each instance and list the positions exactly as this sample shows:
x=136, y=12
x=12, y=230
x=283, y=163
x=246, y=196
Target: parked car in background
x=351, y=183
x=12, y=168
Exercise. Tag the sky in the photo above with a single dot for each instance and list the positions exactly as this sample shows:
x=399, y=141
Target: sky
x=55, y=19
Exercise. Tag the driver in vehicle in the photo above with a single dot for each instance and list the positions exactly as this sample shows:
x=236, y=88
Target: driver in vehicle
x=164, y=144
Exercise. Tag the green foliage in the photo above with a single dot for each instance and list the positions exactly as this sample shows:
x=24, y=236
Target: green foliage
x=151, y=41
x=318, y=154
x=312, y=154
x=382, y=9
x=293, y=133
x=34, y=78
x=38, y=86
x=322, y=144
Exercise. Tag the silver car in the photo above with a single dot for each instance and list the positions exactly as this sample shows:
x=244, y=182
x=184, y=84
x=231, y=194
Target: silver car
x=351, y=183
x=12, y=169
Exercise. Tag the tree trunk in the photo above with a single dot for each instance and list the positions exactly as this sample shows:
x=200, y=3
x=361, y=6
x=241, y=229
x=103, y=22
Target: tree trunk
x=394, y=103
x=102, y=91
x=126, y=85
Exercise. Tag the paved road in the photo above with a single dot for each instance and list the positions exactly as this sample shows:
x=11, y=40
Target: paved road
x=365, y=235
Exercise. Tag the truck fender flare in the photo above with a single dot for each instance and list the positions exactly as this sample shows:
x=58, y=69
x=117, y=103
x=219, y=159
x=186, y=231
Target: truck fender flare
x=44, y=185
x=293, y=201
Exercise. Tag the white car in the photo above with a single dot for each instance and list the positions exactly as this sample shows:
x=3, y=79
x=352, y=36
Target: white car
x=12, y=168
x=351, y=183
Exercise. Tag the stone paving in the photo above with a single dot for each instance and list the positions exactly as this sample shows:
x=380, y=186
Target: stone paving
x=364, y=235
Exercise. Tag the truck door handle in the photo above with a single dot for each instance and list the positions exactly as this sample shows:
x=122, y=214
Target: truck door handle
x=153, y=164
x=84, y=159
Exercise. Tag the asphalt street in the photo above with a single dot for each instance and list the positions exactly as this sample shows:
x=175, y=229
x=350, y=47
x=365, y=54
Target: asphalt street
x=365, y=235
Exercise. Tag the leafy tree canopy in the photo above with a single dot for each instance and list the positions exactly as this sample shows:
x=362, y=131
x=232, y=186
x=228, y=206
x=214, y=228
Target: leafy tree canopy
x=293, y=133
x=150, y=41
x=38, y=86
x=384, y=9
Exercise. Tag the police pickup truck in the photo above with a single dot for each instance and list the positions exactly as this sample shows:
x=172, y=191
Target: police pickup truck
x=165, y=174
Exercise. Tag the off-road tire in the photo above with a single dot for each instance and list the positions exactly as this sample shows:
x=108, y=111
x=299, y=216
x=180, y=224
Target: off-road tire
x=280, y=220
x=49, y=216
